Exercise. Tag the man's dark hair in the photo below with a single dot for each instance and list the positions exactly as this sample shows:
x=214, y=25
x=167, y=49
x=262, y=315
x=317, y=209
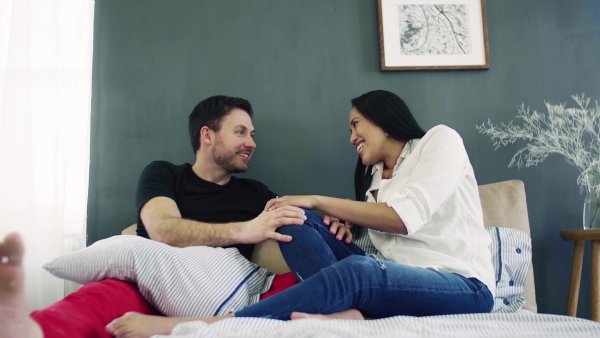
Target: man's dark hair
x=210, y=112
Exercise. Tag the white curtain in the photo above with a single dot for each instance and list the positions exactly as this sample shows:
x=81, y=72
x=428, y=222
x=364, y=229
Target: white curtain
x=45, y=97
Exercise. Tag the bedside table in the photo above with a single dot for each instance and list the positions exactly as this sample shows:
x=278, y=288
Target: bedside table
x=580, y=236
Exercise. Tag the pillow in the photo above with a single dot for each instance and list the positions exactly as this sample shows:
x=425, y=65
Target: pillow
x=179, y=282
x=511, y=257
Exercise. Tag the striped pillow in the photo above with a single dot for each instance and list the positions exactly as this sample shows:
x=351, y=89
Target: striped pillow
x=181, y=282
x=511, y=256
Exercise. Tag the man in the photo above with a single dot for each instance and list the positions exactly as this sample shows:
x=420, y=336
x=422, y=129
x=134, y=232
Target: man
x=203, y=204
x=185, y=205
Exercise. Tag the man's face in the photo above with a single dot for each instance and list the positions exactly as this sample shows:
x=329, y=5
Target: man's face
x=234, y=143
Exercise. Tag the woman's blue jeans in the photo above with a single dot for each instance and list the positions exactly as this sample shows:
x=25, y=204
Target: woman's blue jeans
x=337, y=276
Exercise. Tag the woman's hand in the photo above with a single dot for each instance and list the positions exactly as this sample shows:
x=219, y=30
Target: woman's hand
x=377, y=216
x=338, y=228
x=306, y=202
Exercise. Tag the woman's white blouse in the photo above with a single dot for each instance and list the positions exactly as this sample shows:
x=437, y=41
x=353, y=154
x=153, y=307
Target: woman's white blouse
x=434, y=191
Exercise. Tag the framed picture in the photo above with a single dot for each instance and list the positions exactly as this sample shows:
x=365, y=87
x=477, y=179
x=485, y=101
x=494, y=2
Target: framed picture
x=433, y=34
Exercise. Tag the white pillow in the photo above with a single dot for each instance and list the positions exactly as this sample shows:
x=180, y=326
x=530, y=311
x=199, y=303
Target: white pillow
x=179, y=282
x=511, y=256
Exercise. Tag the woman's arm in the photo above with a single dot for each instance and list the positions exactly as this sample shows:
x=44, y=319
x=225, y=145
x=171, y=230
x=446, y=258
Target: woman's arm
x=377, y=216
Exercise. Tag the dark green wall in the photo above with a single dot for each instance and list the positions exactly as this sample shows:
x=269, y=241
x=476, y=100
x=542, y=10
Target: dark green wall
x=300, y=63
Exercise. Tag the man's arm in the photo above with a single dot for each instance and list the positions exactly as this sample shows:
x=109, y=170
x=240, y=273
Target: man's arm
x=164, y=224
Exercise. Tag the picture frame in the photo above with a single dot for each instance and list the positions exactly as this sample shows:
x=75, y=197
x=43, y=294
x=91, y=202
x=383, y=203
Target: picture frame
x=433, y=34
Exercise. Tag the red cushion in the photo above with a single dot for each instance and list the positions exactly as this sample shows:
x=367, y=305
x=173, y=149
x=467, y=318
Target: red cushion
x=85, y=313
x=280, y=283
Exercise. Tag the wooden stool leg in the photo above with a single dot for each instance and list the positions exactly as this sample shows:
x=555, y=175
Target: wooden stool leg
x=595, y=285
x=575, y=278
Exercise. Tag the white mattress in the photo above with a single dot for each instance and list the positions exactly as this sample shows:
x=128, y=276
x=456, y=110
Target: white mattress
x=521, y=324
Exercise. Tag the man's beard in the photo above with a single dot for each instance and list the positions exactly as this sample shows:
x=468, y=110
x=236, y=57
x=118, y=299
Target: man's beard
x=226, y=159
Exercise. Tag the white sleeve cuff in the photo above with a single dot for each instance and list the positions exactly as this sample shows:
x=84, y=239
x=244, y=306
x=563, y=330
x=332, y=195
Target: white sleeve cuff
x=412, y=214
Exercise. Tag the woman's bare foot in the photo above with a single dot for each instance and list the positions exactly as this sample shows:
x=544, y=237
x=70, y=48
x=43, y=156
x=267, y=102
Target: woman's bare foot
x=133, y=324
x=352, y=314
x=14, y=316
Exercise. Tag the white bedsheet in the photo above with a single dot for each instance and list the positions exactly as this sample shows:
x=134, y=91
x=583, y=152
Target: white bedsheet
x=521, y=324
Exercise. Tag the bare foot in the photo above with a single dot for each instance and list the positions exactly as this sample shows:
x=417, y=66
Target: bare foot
x=352, y=314
x=14, y=316
x=133, y=324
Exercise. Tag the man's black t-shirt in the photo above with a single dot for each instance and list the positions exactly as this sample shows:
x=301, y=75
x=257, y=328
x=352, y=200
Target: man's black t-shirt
x=237, y=201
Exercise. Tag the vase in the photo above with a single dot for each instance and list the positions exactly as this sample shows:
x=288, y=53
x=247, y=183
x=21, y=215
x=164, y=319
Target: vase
x=591, y=210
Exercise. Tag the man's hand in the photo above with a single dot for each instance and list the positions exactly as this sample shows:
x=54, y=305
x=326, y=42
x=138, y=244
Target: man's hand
x=338, y=228
x=265, y=225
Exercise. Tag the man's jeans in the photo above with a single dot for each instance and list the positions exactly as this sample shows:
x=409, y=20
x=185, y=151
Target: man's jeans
x=337, y=276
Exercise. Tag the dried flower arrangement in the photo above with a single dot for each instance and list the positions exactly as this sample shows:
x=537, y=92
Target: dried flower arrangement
x=573, y=133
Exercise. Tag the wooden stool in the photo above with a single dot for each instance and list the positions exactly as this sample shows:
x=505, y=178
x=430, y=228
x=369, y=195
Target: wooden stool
x=580, y=236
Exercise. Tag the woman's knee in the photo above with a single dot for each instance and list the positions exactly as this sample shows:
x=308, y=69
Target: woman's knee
x=363, y=265
x=313, y=222
x=297, y=230
x=287, y=229
x=311, y=217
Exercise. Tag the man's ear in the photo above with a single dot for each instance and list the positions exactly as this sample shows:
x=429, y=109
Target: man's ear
x=206, y=135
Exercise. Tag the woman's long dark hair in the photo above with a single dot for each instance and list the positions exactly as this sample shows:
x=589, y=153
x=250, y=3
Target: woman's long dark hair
x=389, y=112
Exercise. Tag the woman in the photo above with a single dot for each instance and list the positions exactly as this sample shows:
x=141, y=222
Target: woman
x=423, y=215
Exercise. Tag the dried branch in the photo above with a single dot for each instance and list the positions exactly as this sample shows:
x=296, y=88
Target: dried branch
x=573, y=133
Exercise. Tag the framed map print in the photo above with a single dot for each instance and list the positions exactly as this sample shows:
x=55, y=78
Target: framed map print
x=433, y=34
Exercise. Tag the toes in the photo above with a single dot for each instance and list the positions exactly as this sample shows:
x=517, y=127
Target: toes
x=11, y=251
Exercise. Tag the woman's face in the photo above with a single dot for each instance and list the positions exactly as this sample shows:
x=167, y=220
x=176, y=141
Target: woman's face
x=367, y=138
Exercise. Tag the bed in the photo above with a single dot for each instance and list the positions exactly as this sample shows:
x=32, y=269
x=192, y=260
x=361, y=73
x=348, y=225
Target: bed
x=514, y=315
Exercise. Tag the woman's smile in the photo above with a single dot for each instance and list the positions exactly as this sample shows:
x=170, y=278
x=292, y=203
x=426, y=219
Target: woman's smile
x=360, y=146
